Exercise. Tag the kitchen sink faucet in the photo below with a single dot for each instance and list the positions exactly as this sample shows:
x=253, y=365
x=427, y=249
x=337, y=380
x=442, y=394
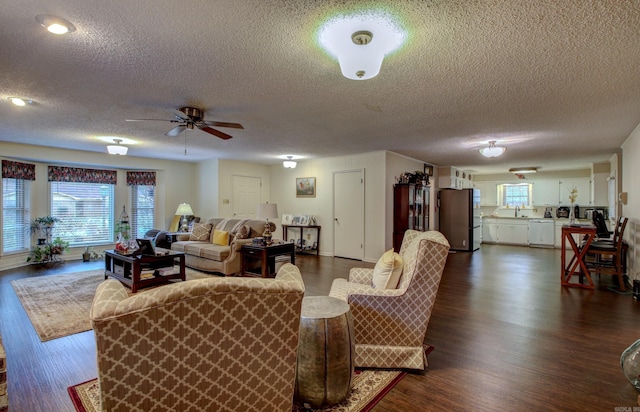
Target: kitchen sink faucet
x=517, y=209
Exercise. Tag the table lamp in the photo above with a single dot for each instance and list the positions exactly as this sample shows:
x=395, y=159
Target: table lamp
x=267, y=211
x=184, y=210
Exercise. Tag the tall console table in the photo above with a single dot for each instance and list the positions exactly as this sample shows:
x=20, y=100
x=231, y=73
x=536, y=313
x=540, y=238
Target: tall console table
x=301, y=248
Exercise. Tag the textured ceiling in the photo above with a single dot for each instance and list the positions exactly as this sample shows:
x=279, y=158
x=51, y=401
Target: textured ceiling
x=557, y=82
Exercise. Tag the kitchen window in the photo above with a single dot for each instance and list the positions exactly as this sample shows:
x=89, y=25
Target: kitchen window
x=515, y=194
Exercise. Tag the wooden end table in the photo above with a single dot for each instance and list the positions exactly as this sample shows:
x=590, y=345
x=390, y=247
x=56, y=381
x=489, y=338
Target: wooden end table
x=127, y=269
x=267, y=256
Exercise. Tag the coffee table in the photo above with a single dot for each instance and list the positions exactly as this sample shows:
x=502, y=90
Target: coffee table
x=128, y=268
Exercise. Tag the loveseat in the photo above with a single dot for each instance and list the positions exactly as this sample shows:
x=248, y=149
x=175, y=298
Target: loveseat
x=214, y=246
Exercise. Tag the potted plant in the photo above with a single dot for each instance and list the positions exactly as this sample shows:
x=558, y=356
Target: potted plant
x=42, y=226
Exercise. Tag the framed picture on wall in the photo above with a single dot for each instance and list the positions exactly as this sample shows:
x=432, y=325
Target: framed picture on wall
x=305, y=187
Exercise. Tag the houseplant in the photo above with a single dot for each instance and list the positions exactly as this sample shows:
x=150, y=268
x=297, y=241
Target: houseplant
x=49, y=252
x=42, y=227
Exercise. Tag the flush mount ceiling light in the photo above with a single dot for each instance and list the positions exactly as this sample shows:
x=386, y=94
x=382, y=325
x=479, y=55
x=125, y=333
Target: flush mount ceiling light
x=492, y=150
x=116, y=149
x=289, y=164
x=54, y=24
x=361, y=41
x=523, y=170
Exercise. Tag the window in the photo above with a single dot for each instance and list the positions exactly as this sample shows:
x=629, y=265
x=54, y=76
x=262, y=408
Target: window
x=512, y=195
x=85, y=211
x=142, y=209
x=16, y=196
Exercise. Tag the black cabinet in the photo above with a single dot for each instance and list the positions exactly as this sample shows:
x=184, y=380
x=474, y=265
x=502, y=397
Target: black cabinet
x=410, y=210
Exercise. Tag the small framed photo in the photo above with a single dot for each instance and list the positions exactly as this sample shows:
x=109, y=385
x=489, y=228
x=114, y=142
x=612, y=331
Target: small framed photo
x=305, y=187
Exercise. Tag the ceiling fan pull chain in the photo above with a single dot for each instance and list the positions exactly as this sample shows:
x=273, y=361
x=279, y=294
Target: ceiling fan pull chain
x=185, y=141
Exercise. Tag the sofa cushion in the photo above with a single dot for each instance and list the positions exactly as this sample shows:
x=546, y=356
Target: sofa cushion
x=243, y=232
x=387, y=271
x=206, y=250
x=220, y=237
x=200, y=232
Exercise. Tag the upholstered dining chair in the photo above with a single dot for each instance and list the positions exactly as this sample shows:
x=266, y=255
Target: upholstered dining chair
x=390, y=324
x=217, y=344
x=608, y=256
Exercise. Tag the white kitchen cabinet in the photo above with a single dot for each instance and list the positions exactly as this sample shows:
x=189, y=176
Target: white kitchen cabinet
x=599, y=189
x=489, y=230
x=488, y=193
x=583, y=184
x=546, y=192
x=513, y=231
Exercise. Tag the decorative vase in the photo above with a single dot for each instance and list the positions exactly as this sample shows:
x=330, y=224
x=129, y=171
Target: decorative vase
x=630, y=362
x=572, y=215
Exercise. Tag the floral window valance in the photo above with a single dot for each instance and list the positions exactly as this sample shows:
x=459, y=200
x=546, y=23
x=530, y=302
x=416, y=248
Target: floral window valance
x=79, y=175
x=141, y=178
x=17, y=170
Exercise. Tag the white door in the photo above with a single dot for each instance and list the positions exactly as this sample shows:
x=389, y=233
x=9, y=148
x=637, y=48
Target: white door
x=245, y=196
x=348, y=213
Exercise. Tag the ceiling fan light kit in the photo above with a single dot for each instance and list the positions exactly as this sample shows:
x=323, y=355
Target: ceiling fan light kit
x=54, y=24
x=361, y=41
x=492, y=150
x=116, y=149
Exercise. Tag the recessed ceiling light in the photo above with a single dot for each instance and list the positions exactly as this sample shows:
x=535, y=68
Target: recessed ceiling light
x=18, y=101
x=55, y=25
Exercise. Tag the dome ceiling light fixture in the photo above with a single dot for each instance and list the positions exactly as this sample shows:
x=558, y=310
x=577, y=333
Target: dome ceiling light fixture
x=19, y=101
x=116, y=149
x=361, y=41
x=54, y=24
x=289, y=163
x=492, y=150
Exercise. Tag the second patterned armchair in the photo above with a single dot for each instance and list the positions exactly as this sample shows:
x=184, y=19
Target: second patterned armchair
x=390, y=324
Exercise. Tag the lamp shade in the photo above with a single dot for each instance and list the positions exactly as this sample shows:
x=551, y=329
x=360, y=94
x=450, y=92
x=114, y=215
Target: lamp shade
x=184, y=209
x=492, y=150
x=267, y=211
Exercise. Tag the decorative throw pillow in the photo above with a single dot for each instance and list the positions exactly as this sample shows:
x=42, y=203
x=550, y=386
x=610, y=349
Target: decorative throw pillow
x=220, y=237
x=387, y=271
x=201, y=232
x=243, y=232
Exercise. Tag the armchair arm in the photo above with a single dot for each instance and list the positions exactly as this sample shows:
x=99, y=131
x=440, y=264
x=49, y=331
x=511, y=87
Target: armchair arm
x=108, y=295
x=362, y=276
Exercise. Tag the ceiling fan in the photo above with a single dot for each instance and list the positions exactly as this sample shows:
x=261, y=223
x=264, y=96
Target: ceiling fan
x=192, y=118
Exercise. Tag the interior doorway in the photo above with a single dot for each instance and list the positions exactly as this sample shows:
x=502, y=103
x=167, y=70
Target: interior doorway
x=348, y=214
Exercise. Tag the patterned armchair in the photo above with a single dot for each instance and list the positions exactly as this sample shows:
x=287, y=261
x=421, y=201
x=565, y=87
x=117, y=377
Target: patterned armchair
x=218, y=344
x=390, y=324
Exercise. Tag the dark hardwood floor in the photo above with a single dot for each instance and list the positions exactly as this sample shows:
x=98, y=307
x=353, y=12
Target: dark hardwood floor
x=507, y=337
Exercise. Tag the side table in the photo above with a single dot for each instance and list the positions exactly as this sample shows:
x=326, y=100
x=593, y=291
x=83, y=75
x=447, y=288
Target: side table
x=325, y=352
x=267, y=256
x=4, y=400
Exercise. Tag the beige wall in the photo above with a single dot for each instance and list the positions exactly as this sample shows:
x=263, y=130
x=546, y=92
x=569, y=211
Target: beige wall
x=173, y=185
x=630, y=172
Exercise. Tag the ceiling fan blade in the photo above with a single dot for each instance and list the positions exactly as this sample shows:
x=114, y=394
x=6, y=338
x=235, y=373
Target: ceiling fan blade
x=215, y=132
x=176, y=130
x=225, y=124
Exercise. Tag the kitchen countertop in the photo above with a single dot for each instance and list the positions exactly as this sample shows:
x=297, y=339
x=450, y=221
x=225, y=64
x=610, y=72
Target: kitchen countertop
x=555, y=219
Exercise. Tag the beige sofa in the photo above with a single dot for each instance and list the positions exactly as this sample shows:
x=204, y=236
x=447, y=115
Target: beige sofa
x=215, y=344
x=226, y=259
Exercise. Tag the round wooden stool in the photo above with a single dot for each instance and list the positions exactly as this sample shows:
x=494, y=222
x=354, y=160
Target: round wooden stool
x=325, y=352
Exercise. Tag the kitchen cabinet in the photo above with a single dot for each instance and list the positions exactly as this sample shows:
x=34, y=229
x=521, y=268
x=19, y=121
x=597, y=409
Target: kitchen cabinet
x=505, y=231
x=546, y=192
x=583, y=185
x=489, y=230
x=488, y=193
x=452, y=178
x=599, y=189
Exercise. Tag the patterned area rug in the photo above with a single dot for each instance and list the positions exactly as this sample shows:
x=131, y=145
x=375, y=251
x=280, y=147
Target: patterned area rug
x=59, y=305
x=369, y=386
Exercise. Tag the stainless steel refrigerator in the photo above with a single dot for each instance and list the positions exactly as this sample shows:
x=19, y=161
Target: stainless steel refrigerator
x=460, y=220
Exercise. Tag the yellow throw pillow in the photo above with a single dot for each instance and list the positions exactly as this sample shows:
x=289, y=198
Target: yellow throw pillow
x=387, y=271
x=220, y=237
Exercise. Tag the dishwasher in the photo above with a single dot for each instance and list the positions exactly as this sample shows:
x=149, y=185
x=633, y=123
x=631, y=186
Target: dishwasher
x=541, y=232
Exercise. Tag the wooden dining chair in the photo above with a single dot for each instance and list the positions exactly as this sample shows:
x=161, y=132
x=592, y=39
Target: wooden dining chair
x=608, y=256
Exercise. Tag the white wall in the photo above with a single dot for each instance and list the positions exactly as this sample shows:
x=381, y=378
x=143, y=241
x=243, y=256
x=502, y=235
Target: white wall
x=630, y=173
x=229, y=168
x=283, y=193
x=173, y=184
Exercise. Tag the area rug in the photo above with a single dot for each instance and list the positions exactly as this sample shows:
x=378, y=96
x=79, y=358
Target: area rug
x=369, y=387
x=58, y=305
